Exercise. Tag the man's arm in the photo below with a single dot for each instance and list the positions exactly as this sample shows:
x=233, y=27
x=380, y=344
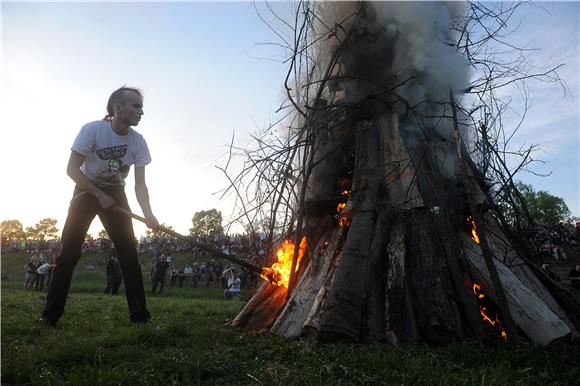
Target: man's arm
x=142, y=194
x=74, y=171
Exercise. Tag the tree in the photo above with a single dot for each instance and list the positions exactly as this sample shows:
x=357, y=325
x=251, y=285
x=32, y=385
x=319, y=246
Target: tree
x=102, y=234
x=157, y=233
x=207, y=223
x=544, y=208
x=44, y=229
x=12, y=230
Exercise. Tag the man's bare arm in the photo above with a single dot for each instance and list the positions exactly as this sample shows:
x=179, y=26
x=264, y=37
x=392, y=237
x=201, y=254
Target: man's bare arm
x=74, y=171
x=142, y=194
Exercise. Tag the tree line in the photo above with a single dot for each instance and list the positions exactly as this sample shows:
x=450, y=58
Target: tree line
x=204, y=223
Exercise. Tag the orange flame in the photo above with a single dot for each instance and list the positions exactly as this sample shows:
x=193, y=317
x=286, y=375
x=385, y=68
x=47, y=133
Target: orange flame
x=474, y=235
x=340, y=206
x=279, y=273
x=346, y=192
x=485, y=315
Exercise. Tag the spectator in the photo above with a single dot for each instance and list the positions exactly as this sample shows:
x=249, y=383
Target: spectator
x=233, y=291
x=114, y=276
x=196, y=275
x=173, y=276
x=44, y=275
x=30, y=276
x=188, y=272
x=180, y=278
x=159, y=275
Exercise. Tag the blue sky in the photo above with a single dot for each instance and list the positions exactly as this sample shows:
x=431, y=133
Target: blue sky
x=198, y=66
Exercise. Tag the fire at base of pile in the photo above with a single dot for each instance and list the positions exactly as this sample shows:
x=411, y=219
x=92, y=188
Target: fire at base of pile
x=404, y=295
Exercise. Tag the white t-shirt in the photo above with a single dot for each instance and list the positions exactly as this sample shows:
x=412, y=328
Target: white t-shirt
x=108, y=155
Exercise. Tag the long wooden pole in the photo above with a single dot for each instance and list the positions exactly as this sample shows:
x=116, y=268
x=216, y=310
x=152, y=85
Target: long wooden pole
x=196, y=244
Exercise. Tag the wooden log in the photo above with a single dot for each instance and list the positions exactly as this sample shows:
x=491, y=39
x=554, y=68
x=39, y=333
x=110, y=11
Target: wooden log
x=395, y=287
x=530, y=313
x=374, y=316
x=437, y=317
x=262, y=293
x=459, y=278
x=341, y=318
x=312, y=321
x=291, y=320
x=400, y=173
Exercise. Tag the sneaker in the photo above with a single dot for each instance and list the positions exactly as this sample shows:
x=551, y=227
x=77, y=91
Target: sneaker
x=48, y=323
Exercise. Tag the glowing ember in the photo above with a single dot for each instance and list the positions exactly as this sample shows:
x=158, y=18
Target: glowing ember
x=340, y=206
x=343, y=221
x=494, y=322
x=346, y=192
x=474, y=235
x=279, y=273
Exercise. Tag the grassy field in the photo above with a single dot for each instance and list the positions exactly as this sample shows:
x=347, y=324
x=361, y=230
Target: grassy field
x=188, y=343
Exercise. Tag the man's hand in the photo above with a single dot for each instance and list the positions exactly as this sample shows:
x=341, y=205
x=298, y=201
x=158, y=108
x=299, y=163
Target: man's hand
x=106, y=201
x=152, y=222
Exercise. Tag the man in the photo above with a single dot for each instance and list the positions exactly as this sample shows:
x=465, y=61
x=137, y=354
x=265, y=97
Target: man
x=100, y=159
x=160, y=273
x=114, y=275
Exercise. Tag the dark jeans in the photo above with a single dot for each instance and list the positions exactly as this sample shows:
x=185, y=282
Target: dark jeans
x=158, y=280
x=83, y=209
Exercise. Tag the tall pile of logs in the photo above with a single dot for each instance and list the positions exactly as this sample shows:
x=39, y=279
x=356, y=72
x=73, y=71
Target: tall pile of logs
x=403, y=268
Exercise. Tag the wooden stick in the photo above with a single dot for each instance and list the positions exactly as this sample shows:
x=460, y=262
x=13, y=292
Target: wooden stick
x=195, y=244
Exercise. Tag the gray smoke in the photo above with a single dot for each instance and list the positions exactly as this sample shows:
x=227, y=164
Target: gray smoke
x=394, y=42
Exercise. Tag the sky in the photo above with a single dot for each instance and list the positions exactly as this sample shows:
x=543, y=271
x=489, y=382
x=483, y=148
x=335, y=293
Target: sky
x=207, y=76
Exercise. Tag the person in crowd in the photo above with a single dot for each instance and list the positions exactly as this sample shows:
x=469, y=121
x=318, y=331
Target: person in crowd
x=30, y=275
x=160, y=273
x=44, y=274
x=99, y=162
x=180, y=278
x=208, y=274
x=188, y=272
x=196, y=275
x=114, y=275
x=574, y=276
x=172, y=276
x=233, y=291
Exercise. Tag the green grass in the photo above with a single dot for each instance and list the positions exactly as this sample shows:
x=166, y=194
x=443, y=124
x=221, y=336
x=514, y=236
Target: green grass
x=188, y=343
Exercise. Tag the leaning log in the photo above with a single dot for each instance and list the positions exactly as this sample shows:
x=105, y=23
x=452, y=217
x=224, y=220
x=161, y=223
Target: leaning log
x=341, y=317
x=530, y=313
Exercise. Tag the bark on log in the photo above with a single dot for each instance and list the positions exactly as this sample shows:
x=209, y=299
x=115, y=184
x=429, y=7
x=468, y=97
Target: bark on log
x=341, y=317
x=437, y=316
x=400, y=173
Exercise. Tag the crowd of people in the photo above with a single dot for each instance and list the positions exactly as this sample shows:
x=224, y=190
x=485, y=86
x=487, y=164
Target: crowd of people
x=201, y=271
x=546, y=241
x=547, y=244
x=211, y=274
x=38, y=272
